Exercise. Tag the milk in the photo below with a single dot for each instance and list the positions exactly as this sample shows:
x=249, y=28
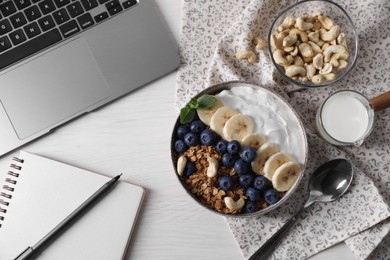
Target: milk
x=345, y=117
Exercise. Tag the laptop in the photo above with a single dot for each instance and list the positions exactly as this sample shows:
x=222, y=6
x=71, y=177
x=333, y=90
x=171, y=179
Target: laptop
x=60, y=59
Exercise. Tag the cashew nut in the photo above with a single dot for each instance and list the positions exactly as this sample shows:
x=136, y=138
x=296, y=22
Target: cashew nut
x=289, y=49
x=212, y=170
x=295, y=70
x=339, y=50
x=302, y=24
x=249, y=55
x=318, y=61
x=310, y=71
x=305, y=50
x=329, y=76
x=298, y=61
x=326, y=69
x=181, y=164
x=317, y=79
x=289, y=40
x=234, y=205
x=314, y=36
x=315, y=47
x=288, y=22
x=294, y=52
x=342, y=64
x=326, y=22
x=260, y=43
x=342, y=40
x=330, y=35
x=277, y=40
x=280, y=58
x=302, y=35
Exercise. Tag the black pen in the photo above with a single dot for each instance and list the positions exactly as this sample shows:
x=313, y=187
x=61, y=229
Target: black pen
x=26, y=254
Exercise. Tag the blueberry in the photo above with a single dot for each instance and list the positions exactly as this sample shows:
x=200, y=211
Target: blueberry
x=226, y=183
x=233, y=147
x=197, y=126
x=241, y=167
x=221, y=146
x=191, y=139
x=180, y=146
x=271, y=196
x=181, y=131
x=246, y=180
x=252, y=194
x=208, y=137
x=261, y=183
x=248, y=154
x=189, y=169
x=250, y=206
x=228, y=160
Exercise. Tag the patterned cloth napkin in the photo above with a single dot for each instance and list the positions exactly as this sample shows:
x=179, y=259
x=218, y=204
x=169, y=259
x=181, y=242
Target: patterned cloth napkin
x=212, y=32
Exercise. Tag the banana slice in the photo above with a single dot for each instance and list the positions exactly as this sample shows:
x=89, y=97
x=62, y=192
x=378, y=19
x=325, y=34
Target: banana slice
x=206, y=114
x=237, y=127
x=264, y=152
x=220, y=117
x=285, y=176
x=273, y=163
x=254, y=140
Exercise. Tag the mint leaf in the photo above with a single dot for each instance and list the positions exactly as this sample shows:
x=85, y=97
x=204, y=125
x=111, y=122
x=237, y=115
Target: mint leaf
x=193, y=104
x=206, y=101
x=186, y=115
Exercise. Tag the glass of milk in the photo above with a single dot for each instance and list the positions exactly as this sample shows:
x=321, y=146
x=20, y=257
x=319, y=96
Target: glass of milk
x=345, y=118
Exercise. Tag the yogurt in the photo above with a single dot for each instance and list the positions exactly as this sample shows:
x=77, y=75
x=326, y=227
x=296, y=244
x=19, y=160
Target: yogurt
x=272, y=118
x=345, y=118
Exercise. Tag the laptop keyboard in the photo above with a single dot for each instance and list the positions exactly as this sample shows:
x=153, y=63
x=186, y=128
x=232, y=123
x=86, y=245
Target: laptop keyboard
x=29, y=26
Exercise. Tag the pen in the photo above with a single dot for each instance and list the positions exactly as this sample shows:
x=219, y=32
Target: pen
x=28, y=252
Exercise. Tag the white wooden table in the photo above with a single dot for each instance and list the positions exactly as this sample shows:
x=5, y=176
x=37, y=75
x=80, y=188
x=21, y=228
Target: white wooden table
x=132, y=135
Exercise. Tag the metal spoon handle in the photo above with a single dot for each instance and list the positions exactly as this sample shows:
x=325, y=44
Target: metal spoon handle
x=268, y=247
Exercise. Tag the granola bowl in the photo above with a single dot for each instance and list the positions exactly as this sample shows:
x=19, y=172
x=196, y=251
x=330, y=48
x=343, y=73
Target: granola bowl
x=313, y=43
x=239, y=149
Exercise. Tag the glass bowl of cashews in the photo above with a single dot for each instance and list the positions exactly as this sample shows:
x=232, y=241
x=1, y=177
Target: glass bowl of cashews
x=313, y=43
x=239, y=149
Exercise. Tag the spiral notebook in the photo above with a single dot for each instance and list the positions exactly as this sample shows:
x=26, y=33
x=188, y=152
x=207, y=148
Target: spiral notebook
x=37, y=193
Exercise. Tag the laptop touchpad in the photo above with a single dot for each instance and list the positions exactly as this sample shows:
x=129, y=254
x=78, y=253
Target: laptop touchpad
x=52, y=88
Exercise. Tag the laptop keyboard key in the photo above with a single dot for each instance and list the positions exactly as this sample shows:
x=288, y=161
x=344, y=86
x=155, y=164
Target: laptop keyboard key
x=114, y=7
x=100, y=17
x=5, y=44
x=5, y=26
x=17, y=37
x=89, y=4
x=32, y=30
x=61, y=3
x=46, y=23
x=29, y=47
x=47, y=6
x=61, y=16
x=85, y=20
x=21, y=4
x=103, y=1
x=75, y=9
x=18, y=20
x=129, y=3
x=69, y=28
x=7, y=8
x=32, y=13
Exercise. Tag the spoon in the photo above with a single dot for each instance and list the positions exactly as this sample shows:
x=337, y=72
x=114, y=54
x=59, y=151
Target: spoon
x=328, y=183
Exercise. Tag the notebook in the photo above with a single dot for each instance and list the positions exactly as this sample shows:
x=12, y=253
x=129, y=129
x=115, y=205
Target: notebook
x=60, y=59
x=45, y=191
